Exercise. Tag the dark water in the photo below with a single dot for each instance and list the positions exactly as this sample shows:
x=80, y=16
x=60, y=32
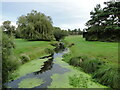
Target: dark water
x=48, y=69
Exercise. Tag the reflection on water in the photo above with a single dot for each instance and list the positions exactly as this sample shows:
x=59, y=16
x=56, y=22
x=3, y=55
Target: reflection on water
x=47, y=66
x=60, y=48
x=49, y=63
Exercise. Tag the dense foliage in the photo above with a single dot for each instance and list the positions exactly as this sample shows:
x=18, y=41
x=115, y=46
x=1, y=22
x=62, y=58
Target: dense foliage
x=59, y=34
x=8, y=28
x=24, y=58
x=75, y=32
x=9, y=61
x=103, y=25
x=108, y=75
x=78, y=81
x=35, y=26
x=104, y=73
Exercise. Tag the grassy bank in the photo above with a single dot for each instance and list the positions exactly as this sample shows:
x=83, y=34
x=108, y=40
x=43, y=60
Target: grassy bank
x=100, y=59
x=106, y=51
x=33, y=49
x=29, y=50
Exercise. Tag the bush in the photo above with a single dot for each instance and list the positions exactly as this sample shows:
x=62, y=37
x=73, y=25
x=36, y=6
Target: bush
x=49, y=51
x=77, y=61
x=9, y=61
x=108, y=75
x=70, y=45
x=91, y=65
x=12, y=63
x=59, y=34
x=66, y=57
x=78, y=81
x=24, y=58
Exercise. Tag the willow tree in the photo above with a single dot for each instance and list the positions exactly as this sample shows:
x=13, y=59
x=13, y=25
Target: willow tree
x=35, y=26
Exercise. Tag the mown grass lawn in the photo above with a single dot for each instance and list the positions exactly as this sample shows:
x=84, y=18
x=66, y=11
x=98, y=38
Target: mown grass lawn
x=107, y=51
x=34, y=49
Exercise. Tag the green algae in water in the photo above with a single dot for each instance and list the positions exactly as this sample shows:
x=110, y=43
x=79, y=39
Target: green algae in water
x=60, y=81
x=30, y=83
x=30, y=67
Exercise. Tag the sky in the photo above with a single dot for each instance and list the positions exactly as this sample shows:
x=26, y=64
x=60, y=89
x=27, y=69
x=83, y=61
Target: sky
x=66, y=14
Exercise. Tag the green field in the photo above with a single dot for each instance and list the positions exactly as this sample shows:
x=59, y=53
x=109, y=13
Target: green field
x=34, y=49
x=106, y=51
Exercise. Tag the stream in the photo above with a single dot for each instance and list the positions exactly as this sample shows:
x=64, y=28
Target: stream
x=48, y=69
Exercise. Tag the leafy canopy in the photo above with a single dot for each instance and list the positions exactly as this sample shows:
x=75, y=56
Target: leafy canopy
x=35, y=26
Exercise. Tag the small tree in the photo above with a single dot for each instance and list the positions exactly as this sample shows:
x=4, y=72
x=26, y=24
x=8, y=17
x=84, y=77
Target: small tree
x=59, y=34
x=8, y=28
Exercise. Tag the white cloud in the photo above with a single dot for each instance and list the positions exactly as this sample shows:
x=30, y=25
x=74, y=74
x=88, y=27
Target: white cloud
x=53, y=1
x=72, y=26
x=65, y=13
x=12, y=23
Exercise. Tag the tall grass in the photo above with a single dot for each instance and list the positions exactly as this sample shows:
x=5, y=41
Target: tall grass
x=108, y=75
x=77, y=61
x=91, y=65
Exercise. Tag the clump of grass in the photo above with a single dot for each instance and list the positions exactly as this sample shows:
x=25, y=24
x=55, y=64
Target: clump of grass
x=77, y=61
x=24, y=58
x=70, y=45
x=54, y=44
x=108, y=75
x=78, y=81
x=49, y=51
x=91, y=65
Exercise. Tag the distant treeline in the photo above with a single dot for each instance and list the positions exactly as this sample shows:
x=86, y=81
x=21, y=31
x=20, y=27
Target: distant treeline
x=104, y=24
x=75, y=32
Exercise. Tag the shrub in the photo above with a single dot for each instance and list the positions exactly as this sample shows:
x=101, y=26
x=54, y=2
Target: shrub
x=70, y=45
x=77, y=61
x=12, y=76
x=59, y=34
x=24, y=58
x=78, y=81
x=91, y=65
x=108, y=75
x=9, y=61
x=49, y=51
x=66, y=57
x=12, y=63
